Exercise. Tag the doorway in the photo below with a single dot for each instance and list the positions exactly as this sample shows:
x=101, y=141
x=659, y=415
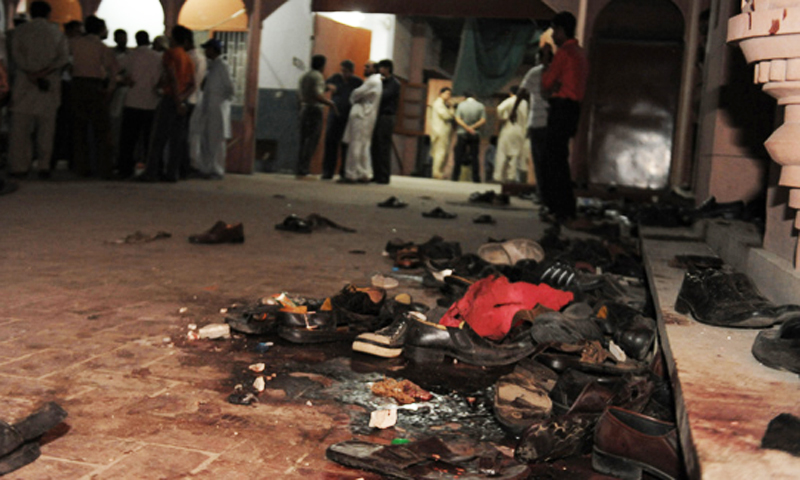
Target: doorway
x=632, y=98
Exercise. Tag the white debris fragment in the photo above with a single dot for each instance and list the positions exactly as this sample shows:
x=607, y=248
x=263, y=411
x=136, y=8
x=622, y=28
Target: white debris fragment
x=183, y=310
x=223, y=310
x=309, y=404
x=166, y=340
x=260, y=384
x=215, y=330
x=192, y=326
x=192, y=335
x=616, y=352
x=383, y=418
x=257, y=367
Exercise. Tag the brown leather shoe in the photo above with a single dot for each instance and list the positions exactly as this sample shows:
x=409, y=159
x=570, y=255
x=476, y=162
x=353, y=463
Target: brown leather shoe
x=221, y=232
x=627, y=443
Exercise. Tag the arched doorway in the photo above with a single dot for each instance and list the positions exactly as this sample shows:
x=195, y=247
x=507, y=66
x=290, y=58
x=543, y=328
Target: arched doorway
x=636, y=59
x=147, y=15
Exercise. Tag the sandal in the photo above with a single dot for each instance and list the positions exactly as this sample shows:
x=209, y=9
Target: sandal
x=393, y=202
x=293, y=223
x=439, y=213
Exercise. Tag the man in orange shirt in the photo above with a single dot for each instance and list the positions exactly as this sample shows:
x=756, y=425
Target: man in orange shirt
x=171, y=120
x=564, y=82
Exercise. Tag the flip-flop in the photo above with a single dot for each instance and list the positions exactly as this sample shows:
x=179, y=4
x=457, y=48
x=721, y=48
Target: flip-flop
x=439, y=213
x=779, y=348
x=393, y=202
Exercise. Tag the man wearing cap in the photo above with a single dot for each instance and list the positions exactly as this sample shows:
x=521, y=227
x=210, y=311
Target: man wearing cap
x=211, y=118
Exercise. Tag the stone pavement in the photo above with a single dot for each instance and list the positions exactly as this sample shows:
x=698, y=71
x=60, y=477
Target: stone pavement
x=97, y=327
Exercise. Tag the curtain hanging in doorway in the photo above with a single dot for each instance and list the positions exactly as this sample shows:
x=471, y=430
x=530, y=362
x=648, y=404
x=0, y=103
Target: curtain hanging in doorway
x=490, y=54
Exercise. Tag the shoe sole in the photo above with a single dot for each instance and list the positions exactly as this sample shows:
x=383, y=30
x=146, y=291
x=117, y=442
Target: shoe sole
x=624, y=468
x=683, y=307
x=377, y=350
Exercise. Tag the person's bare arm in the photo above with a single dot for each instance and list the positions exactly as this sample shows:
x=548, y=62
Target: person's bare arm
x=522, y=93
x=475, y=126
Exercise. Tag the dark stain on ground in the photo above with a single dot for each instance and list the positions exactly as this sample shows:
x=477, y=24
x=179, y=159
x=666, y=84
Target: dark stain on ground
x=675, y=319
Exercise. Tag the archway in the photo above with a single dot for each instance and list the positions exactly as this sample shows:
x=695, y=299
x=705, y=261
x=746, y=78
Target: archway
x=147, y=15
x=65, y=11
x=632, y=99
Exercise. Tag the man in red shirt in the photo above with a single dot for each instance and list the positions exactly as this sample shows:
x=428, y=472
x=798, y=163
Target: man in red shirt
x=171, y=122
x=564, y=82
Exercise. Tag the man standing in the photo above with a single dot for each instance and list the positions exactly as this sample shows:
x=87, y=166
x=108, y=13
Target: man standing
x=143, y=67
x=384, y=126
x=121, y=52
x=341, y=85
x=565, y=83
x=358, y=133
x=537, y=118
x=511, y=152
x=470, y=116
x=191, y=149
x=312, y=100
x=171, y=122
x=212, y=117
x=39, y=51
x=94, y=72
x=442, y=114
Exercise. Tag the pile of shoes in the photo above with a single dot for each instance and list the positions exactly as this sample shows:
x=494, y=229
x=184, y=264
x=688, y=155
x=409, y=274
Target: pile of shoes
x=715, y=294
x=570, y=320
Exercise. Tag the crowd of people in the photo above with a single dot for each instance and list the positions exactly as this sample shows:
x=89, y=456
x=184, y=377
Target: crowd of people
x=544, y=109
x=163, y=105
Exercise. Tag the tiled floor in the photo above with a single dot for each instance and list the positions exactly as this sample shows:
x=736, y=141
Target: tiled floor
x=97, y=327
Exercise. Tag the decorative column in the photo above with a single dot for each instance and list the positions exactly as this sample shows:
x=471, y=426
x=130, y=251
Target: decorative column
x=768, y=32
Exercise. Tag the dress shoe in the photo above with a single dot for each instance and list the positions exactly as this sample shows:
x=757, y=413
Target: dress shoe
x=392, y=202
x=779, y=348
x=728, y=299
x=627, y=443
x=388, y=341
x=221, y=232
x=428, y=342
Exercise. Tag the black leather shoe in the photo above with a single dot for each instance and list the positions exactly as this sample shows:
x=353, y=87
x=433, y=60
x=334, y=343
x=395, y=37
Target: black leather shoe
x=393, y=202
x=729, y=299
x=428, y=342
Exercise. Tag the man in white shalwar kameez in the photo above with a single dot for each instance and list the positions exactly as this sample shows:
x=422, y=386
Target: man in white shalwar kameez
x=358, y=133
x=211, y=117
x=512, y=153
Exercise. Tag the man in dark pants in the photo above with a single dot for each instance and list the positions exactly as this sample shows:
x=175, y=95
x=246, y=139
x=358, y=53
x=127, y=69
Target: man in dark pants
x=341, y=85
x=470, y=116
x=311, y=89
x=564, y=80
x=171, y=123
x=384, y=126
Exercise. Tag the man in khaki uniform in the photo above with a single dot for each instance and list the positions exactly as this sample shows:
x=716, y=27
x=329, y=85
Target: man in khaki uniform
x=40, y=52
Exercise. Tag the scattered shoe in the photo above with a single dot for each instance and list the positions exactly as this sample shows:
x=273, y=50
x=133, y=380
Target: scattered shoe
x=484, y=219
x=522, y=396
x=393, y=202
x=779, y=348
x=388, y=341
x=729, y=299
x=439, y=213
x=554, y=438
x=783, y=433
x=511, y=251
x=428, y=342
x=627, y=443
x=428, y=458
x=295, y=224
x=221, y=232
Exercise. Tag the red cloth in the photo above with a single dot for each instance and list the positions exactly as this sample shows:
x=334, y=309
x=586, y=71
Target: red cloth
x=490, y=304
x=570, y=70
